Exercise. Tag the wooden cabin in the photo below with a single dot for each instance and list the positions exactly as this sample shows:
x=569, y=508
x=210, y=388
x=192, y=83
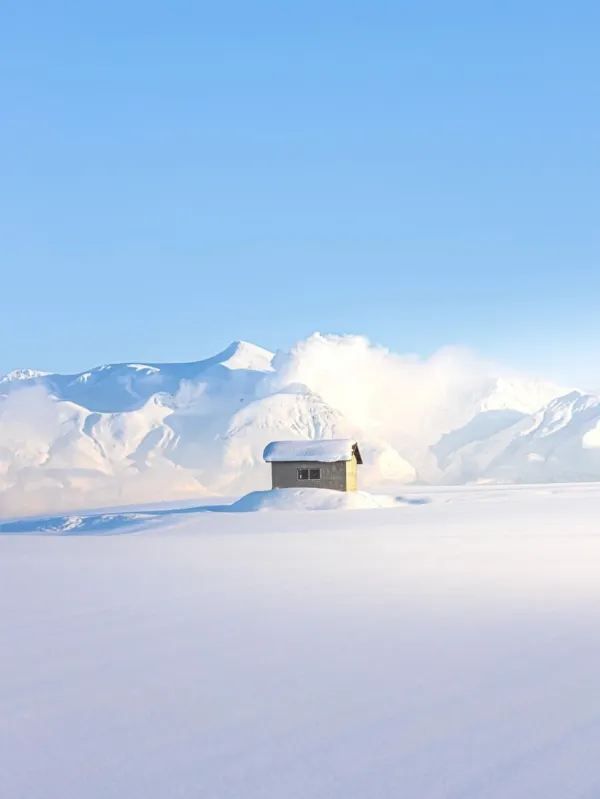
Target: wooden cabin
x=319, y=463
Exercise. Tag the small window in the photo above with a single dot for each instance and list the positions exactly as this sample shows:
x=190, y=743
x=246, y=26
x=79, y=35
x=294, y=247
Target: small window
x=314, y=474
x=302, y=474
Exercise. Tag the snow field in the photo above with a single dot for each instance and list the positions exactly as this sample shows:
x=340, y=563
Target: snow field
x=445, y=650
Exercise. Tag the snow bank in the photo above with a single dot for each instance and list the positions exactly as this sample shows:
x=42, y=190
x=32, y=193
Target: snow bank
x=286, y=499
x=312, y=499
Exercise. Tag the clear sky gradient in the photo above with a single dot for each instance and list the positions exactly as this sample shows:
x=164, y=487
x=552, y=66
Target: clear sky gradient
x=175, y=175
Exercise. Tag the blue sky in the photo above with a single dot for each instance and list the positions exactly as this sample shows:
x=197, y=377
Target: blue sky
x=177, y=175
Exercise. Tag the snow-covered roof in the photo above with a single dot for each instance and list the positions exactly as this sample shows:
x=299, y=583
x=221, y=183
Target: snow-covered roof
x=324, y=450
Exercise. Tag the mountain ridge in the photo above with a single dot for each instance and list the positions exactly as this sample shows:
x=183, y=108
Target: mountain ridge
x=139, y=432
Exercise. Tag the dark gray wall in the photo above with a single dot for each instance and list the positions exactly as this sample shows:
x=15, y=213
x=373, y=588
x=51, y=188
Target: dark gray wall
x=333, y=475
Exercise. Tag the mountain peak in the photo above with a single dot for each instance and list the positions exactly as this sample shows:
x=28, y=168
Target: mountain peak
x=22, y=374
x=245, y=355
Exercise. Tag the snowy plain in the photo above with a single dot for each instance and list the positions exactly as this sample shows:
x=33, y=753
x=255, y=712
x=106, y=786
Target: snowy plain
x=444, y=648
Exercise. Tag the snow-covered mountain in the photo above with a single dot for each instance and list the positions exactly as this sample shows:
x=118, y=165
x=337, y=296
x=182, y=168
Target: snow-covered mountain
x=127, y=386
x=560, y=442
x=136, y=432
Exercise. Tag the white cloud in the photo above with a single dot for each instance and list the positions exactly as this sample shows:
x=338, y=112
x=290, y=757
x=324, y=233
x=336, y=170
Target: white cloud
x=401, y=398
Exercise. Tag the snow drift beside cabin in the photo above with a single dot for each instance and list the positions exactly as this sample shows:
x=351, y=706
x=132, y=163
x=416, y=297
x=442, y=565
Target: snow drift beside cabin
x=312, y=499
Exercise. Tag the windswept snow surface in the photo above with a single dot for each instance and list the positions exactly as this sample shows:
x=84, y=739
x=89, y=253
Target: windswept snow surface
x=442, y=650
x=137, y=432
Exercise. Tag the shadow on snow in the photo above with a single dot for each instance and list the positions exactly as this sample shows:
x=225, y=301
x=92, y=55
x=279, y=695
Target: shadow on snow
x=74, y=524
x=97, y=523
